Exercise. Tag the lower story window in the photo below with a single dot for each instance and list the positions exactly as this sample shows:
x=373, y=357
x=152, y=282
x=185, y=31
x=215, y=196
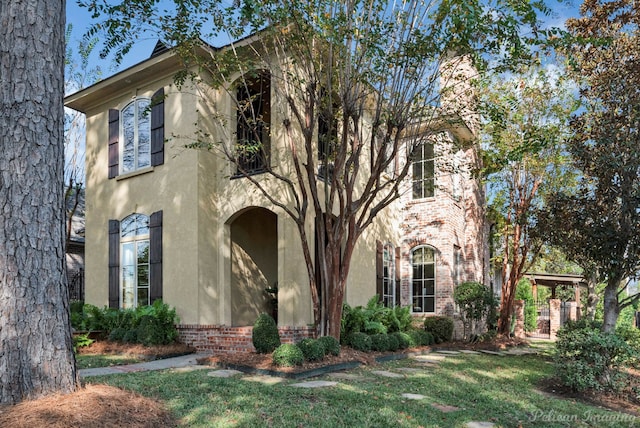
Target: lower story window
x=423, y=262
x=134, y=263
x=388, y=277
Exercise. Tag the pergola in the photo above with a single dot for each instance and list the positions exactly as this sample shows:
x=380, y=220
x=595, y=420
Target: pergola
x=554, y=280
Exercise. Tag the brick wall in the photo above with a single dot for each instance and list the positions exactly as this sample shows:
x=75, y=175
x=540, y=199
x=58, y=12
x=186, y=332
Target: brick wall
x=220, y=338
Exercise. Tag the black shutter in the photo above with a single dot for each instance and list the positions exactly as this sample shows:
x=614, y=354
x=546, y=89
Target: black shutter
x=114, y=264
x=379, y=270
x=114, y=135
x=398, y=301
x=157, y=128
x=155, y=256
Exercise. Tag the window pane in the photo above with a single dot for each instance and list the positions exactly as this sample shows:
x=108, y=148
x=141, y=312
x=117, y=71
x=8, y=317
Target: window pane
x=128, y=137
x=430, y=304
x=430, y=288
x=429, y=256
x=127, y=298
x=143, y=252
x=128, y=258
x=143, y=276
x=143, y=296
x=429, y=271
x=144, y=134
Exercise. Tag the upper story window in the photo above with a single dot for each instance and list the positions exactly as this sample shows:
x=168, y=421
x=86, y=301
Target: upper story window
x=423, y=279
x=134, y=264
x=253, y=124
x=136, y=135
x=423, y=171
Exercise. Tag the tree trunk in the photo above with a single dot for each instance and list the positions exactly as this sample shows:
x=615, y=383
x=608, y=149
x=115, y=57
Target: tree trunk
x=611, y=307
x=592, y=297
x=36, y=356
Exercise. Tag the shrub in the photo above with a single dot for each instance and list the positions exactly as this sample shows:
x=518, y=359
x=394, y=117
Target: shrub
x=331, y=345
x=398, y=319
x=265, y=334
x=131, y=336
x=413, y=338
x=288, y=355
x=524, y=292
x=81, y=340
x=312, y=350
x=360, y=341
x=420, y=338
x=440, y=327
x=474, y=300
x=631, y=336
x=117, y=334
x=150, y=331
x=380, y=342
x=404, y=340
x=394, y=344
x=587, y=358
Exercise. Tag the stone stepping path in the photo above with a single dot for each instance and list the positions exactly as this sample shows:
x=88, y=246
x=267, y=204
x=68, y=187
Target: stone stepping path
x=385, y=373
x=267, y=380
x=410, y=370
x=445, y=352
x=430, y=358
x=476, y=424
x=413, y=396
x=224, y=373
x=444, y=408
x=470, y=352
x=486, y=351
x=314, y=384
x=345, y=376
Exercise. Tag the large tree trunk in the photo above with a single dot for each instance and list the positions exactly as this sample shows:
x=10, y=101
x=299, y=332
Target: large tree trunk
x=611, y=307
x=36, y=355
x=592, y=297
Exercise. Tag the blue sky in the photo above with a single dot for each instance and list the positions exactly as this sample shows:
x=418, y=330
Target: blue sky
x=80, y=18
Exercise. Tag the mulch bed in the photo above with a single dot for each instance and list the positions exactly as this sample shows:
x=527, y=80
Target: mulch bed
x=104, y=347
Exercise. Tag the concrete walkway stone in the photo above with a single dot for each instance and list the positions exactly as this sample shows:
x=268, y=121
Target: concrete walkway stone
x=345, y=376
x=167, y=363
x=224, y=373
x=410, y=370
x=444, y=408
x=470, y=352
x=413, y=396
x=445, y=352
x=314, y=384
x=475, y=424
x=486, y=351
x=265, y=380
x=385, y=373
x=430, y=357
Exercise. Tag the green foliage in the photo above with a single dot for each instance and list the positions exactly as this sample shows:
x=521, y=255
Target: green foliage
x=380, y=342
x=265, y=334
x=81, y=340
x=359, y=341
x=587, y=358
x=374, y=318
x=440, y=327
x=524, y=291
x=421, y=337
x=404, y=340
x=631, y=336
x=312, y=349
x=117, y=334
x=131, y=336
x=331, y=345
x=474, y=300
x=288, y=355
x=394, y=343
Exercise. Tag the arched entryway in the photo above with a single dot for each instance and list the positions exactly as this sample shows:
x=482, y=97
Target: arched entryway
x=254, y=264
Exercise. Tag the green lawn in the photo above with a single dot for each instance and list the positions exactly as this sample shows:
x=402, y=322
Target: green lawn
x=92, y=361
x=499, y=389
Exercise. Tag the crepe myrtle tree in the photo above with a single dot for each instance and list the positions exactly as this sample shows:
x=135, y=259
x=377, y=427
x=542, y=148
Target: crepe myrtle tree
x=597, y=224
x=358, y=82
x=36, y=349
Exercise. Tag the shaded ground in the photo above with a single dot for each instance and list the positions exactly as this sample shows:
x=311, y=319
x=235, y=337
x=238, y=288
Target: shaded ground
x=104, y=406
x=136, y=350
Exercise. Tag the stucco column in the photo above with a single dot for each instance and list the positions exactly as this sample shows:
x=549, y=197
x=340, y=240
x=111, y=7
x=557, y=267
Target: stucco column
x=518, y=307
x=554, y=318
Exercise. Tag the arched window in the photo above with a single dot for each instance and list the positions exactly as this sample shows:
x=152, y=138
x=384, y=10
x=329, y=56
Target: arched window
x=388, y=276
x=135, y=132
x=134, y=261
x=253, y=122
x=423, y=289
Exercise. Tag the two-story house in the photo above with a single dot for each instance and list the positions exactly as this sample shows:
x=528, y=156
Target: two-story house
x=165, y=221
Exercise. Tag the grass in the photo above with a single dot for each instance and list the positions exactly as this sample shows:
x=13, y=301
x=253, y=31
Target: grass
x=88, y=361
x=498, y=389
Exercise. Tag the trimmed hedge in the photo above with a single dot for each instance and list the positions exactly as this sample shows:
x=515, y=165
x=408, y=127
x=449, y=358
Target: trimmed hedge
x=265, y=334
x=331, y=345
x=440, y=327
x=404, y=340
x=359, y=341
x=287, y=355
x=312, y=349
x=380, y=342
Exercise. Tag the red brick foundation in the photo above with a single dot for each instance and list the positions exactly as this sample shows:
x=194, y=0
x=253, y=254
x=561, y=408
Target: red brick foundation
x=220, y=338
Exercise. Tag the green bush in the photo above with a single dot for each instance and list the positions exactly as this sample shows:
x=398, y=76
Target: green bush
x=331, y=345
x=404, y=340
x=360, y=341
x=131, y=336
x=440, y=327
x=420, y=338
x=265, y=334
x=631, y=335
x=524, y=292
x=117, y=334
x=379, y=342
x=587, y=358
x=394, y=344
x=312, y=350
x=287, y=355
x=398, y=318
x=475, y=300
x=150, y=331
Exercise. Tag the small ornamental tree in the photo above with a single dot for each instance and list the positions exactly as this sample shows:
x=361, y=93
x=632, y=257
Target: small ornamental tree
x=474, y=300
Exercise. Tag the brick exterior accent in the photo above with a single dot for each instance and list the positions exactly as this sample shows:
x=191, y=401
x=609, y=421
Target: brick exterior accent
x=220, y=338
